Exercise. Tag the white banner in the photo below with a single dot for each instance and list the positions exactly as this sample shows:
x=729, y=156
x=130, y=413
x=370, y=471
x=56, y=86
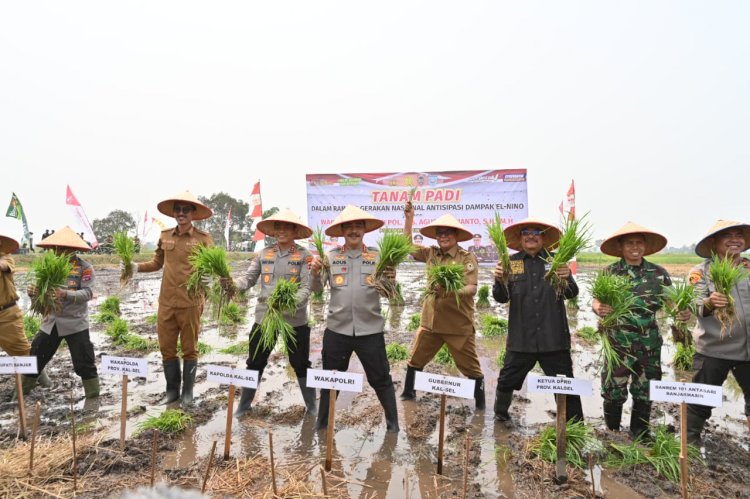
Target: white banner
x=334, y=380
x=692, y=393
x=444, y=385
x=472, y=197
x=223, y=375
x=558, y=384
x=18, y=365
x=131, y=366
x=83, y=220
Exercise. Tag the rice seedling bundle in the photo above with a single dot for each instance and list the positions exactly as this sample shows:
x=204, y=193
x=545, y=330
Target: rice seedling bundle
x=576, y=236
x=109, y=310
x=210, y=265
x=170, y=421
x=201, y=347
x=615, y=291
x=316, y=297
x=282, y=300
x=125, y=249
x=31, y=325
x=394, y=248
x=396, y=352
x=497, y=235
x=240, y=348
x=483, y=296
x=48, y=272
x=579, y=438
x=683, y=356
x=232, y=314
x=398, y=299
x=450, y=277
x=493, y=326
x=678, y=297
x=118, y=331
x=319, y=242
x=589, y=334
x=725, y=276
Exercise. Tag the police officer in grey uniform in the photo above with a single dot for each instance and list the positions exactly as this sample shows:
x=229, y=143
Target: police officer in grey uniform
x=72, y=321
x=355, y=324
x=290, y=261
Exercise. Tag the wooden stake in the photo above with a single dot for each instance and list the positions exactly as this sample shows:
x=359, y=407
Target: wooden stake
x=228, y=432
x=154, y=437
x=466, y=465
x=591, y=471
x=273, y=468
x=208, y=468
x=124, y=410
x=683, y=451
x=34, y=428
x=75, y=457
x=561, y=472
x=441, y=435
x=329, y=432
x=323, y=480
x=21, y=408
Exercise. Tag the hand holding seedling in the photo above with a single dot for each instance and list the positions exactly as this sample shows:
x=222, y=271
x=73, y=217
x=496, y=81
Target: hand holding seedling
x=717, y=300
x=315, y=265
x=499, y=272
x=602, y=309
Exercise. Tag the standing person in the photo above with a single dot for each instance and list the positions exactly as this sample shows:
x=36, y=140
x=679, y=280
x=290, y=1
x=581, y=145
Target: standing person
x=179, y=314
x=71, y=322
x=12, y=338
x=717, y=353
x=354, y=323
x=284, y=260
x=637, y=341
x=537, y=320
x=444, y=319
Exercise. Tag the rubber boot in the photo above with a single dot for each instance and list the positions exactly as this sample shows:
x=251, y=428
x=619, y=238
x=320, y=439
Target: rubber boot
x=246, y=400
x=173, y=377
x=612, y=415
x=321, y=423
x=27, y=384
x=387, y=399
x=479, y=393
x=308, y=394
x=640, y=419
x=189, y=368
x=409, y=393
x=502, y=405
x=44, y=380
x=91, y=387
x=695, y=426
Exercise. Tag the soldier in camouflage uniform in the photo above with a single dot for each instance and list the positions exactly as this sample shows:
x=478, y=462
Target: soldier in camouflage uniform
x=638, y=342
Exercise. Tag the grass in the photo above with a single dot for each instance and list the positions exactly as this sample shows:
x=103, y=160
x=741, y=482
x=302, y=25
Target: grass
x=444, y=357
x=152, y=319
x=118, y=331
x=138, y=343
x=579, y=438
x=125, y=249
x=483, y=296
x=31, y=325
x=48, y=271
x=576, y=236
x=232, y=314
x=683, y=357
x=497, y=236
x=396, y=352
x=449, y=277
x=319, y=242
x=725, y=276
x=589, y=334
x=500, y=358
x=109, y=310
x=203, y=348
x=493, y=326
x=240, y=348
x=414, y=321
x=171, y=421
x=273, y=327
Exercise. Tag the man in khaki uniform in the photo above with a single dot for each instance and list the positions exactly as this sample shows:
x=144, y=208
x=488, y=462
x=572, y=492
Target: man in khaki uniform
x=179, y=315
x=12, y=338
x=443, y=319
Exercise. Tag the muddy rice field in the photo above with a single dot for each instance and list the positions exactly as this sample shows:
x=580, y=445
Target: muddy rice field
x=482, y=458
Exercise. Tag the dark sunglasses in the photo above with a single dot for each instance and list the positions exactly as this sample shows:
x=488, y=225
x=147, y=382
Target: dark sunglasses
x=184, y=209
x=532, y=232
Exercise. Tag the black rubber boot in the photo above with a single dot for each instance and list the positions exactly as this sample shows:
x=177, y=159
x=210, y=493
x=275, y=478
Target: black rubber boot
x=613, y=415
x=409, y=393
x=695, y=426
x=479, y=393
x=322, y=422
x=308, y=394
x=640, y=419
x=502, y=405
x=387, y=399
x=189, y=368
x=246, y=401
x=173, y=377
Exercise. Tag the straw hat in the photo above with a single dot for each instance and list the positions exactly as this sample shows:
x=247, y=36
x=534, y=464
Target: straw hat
x=64, y=238
x=655, y=242
x=288, y=216
x=450, y=222
x=353, y=214
x=705, y=246
x=513, y=233
x=202, y=211
x=8, y=245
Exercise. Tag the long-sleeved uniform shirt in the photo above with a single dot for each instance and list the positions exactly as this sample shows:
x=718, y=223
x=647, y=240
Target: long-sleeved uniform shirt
x=74, y=315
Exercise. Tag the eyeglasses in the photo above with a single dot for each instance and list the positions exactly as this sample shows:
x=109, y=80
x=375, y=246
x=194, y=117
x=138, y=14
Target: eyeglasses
x=532, y=232
x=184, y=209
x=444, y=232
x=281, y=226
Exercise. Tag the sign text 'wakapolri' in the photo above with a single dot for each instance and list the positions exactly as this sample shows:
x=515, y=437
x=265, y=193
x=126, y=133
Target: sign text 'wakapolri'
x=224, y=375
x=334, y=380
x=444, y=385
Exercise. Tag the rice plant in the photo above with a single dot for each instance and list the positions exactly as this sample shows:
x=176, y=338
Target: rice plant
x=414, y=321
x=138, y=343
x=111, y=305
x=319, y=242
x=240, y=348
x=171, y=421
x=316, y=297
x=725, y=276
x=579, y=437
x=152, y=319
x=31, y=325
x=202, y=348
x=396, y=352
x=232, y=314
x=497, y=235
x=125, y=249
x=118, y=330
x=282, y=300
x=449, y=277
x=576, y=236
x=500, y=358
x=589, y=334
x=394, y=248
x=397, y=300
x=493, y=326
x=677, y=298
x=444, y=357
x=210, y=266
x=483, y=296
x=48, y=272
x=683, y=357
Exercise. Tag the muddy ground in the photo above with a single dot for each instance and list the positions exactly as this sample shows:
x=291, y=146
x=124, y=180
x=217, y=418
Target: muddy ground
x=367, y=462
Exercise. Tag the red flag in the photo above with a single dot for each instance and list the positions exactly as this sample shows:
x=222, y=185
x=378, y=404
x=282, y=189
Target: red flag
x=562, y=210
x=572, y=200
x=255, y=202
x=83, y=221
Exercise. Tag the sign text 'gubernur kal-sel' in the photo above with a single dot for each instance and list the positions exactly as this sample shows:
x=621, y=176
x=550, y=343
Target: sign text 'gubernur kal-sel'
x=444, y=385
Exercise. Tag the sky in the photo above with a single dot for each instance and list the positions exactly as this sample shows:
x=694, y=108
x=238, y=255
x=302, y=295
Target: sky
x=645, y=104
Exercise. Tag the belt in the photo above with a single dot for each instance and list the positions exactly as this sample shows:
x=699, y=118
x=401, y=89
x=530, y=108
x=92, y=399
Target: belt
x=7, y=305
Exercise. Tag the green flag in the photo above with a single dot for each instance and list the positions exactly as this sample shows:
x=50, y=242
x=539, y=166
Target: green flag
x=15, y=210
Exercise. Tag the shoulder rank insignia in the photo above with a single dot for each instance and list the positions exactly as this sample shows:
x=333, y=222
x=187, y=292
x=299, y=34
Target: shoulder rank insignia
x=470, y=267
x=695, y=276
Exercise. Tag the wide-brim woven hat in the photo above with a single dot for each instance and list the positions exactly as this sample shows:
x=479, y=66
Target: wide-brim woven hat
x=513, y=233
x=202, y=211
x=8, y=244
x=446, y=221
x=705, y=247
x=353, y=214
x=288, y=216
x=655, y=242
x=64, y=238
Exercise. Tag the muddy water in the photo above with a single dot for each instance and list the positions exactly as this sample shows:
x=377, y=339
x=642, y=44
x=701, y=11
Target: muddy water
x=373, y=464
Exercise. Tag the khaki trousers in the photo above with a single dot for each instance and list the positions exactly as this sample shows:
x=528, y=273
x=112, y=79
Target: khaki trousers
x=12, y=338
x=183, y=323
x=463, y=349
